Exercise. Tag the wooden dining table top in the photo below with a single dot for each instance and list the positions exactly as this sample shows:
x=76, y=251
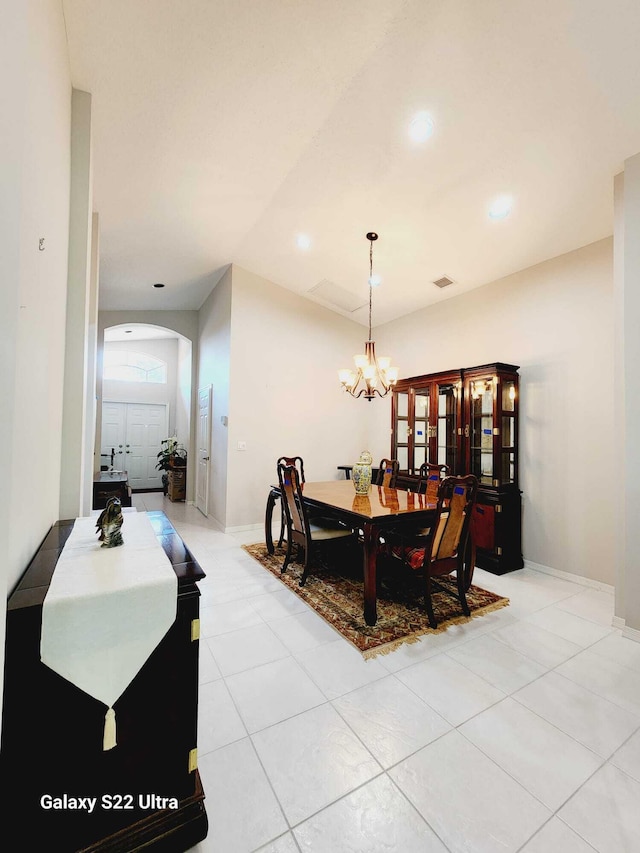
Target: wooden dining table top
x=380, y=502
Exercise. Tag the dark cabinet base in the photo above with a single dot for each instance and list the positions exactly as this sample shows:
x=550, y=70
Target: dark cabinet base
x=496, y=530
x=167, y=831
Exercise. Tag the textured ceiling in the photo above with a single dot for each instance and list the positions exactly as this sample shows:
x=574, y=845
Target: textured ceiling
x=223, y=128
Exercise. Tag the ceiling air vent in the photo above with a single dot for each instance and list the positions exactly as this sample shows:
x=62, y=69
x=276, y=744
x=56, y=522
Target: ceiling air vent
x=445, y=281
x=336, y=296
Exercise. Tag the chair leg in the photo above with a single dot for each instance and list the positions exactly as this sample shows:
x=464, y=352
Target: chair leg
x=307, y=562
x=287, y=558
x=282, y=526
x=427, y=600
x=461, y=579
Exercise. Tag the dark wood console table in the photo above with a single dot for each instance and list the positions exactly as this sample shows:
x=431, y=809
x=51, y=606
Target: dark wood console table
x=110, y=484
x=52, y=731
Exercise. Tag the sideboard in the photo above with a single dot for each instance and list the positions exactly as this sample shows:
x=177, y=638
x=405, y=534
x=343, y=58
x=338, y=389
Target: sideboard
x=148, y=790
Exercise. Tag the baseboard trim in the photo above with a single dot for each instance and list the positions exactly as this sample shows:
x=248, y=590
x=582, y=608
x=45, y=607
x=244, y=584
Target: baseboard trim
x=242, y=528
x=618, y=622
x=631, y=634
x=568, y=576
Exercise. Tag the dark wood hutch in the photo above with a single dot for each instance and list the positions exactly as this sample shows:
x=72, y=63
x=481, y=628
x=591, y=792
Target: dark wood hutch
x=467, y=419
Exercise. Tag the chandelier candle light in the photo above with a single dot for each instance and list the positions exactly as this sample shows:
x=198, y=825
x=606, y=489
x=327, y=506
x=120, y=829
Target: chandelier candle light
x=372, y=375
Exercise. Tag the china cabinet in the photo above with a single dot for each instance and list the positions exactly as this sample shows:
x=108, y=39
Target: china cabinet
x=467, y=419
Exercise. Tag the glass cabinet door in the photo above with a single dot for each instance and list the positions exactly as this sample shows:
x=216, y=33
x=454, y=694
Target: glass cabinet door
x=480, y=428
x=421, y=426
x=401, y=430
x=491, y=427
x=445, y=431
x=508, y=430
x=425, y=426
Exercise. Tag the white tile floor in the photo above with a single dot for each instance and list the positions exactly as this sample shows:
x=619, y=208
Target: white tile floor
x=518, y=731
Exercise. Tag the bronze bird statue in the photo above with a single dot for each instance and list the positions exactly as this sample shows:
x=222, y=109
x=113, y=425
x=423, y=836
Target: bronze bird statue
x=109, y=523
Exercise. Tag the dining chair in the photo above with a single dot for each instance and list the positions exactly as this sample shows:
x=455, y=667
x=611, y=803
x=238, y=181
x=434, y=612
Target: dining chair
x=443, y=550
x=387, y=473
x=430, y=475
x=298, y=462
x=308, y=535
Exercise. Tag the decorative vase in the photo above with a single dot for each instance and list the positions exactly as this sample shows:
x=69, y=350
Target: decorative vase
x=361, y=473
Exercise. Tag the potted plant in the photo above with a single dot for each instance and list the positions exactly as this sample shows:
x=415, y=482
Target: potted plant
x=172, y=455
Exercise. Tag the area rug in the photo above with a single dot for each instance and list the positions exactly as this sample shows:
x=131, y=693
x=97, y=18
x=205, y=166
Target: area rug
x=338, y=594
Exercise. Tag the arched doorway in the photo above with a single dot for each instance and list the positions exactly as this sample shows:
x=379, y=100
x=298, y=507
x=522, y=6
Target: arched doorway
x=144, y=396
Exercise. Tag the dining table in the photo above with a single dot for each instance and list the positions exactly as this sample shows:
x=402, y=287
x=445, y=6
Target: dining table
x=372, y=513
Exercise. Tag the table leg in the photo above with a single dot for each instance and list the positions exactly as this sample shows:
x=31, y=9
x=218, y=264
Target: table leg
x=268, y=516
x=370, y=541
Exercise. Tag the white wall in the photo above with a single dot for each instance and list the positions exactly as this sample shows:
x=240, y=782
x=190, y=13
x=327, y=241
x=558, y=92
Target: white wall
x=77, y=430
x=38, y=203
x=627, y=301
x=183, y=392
x=285, y=397
x=214, y=352
x=35, y=104
x=91, y=460
x=555, y=320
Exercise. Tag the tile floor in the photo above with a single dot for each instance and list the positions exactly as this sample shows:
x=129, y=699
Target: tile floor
x=518, y=731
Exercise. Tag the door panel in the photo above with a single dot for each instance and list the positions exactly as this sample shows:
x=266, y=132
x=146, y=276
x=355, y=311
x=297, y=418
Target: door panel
x=114, y=417
x=139, y=428
x=204, y=449
x=146, y=422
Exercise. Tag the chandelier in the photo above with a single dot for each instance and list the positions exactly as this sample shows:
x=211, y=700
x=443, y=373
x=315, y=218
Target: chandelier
x=372, y=375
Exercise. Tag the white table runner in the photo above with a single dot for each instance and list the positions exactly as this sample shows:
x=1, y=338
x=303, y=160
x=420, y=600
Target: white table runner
x=107, y=609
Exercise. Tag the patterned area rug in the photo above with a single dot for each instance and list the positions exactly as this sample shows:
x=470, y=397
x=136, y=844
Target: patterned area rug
x=337, y=595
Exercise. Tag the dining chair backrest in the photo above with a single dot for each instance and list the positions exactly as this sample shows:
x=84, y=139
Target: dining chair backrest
x=456, y=497
x=293, y=460
x=290, y=481
x=430, y=476
x=388, y=473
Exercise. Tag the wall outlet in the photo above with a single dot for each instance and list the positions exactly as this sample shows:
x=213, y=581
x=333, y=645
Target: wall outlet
x=242, y=445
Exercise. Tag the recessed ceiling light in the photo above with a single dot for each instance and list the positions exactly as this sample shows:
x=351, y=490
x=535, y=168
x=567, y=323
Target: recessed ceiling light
x=303, y=241
x=375, y=281
x=501, y=207
x=158, y=285
x=421, y=127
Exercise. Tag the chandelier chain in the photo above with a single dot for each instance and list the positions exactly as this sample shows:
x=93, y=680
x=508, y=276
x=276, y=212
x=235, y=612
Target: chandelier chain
x=370, y=278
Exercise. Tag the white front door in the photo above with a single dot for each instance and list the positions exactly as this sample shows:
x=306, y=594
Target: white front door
x=114, y=418
x=135, y=431
x=204, y=449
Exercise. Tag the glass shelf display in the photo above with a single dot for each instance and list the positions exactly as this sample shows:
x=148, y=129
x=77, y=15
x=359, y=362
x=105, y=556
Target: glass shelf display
x=425, y=421
x=467, y=419
x=490, y=411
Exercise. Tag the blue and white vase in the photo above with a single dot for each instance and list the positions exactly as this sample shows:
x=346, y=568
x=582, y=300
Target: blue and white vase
x=361, y=473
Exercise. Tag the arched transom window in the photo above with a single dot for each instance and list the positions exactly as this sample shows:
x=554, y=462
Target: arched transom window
x=126, y=366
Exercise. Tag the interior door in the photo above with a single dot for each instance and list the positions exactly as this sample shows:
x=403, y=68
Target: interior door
x=204, y=449
x=146, y=426
x=114, y=417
